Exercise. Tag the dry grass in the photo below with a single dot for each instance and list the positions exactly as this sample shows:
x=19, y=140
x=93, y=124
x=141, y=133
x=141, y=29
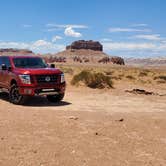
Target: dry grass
x=66, y=70
x=119, y=74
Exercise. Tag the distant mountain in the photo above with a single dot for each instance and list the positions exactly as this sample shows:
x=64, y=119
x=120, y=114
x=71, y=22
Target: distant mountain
x=13, y=51
x=157, y=61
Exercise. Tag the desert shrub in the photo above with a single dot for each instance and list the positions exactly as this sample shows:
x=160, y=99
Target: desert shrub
x=161, y=81
x=145, y=81
x=130, y=77
x=161, y=77
x=92, y=80
x=143, y=73
x=121, y=75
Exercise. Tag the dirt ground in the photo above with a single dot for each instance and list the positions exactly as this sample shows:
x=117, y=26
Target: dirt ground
x=88, y=128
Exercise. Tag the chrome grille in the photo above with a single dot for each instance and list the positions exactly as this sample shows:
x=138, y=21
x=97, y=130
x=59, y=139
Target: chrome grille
x=47, y=78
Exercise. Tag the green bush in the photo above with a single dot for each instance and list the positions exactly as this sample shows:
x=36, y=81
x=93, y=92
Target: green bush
x=92, y=80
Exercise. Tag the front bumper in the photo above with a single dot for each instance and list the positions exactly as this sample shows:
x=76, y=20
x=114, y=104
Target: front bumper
x=42, y=90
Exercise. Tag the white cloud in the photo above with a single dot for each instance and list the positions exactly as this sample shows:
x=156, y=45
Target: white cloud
x=155, y=37
x=20, y=45
x=52, y=29
x=27, y=26
x=66, y=26
x=39, y=46
x=55, y=38
x=162, y=47
x=139, y=25
x=128, y=46
x=41, y=43
x=106, y=40
x=163, y=41
x=128, y=30
x=69, y=31
x=131, y=49
x=45, y=46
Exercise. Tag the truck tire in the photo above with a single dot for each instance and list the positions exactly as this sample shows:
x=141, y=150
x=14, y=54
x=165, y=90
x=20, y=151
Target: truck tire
x=55, y=98
x=15, y=97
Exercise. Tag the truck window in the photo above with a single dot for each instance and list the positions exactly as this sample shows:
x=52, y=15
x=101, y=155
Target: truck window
x=0, y=61
x=6, y=61
x=29, y=63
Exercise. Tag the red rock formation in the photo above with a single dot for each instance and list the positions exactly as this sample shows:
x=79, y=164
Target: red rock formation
x=117, y=60
x=114, y=60
x=82, y=44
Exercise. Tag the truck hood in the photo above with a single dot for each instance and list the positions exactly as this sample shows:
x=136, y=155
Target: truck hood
x=38, y=71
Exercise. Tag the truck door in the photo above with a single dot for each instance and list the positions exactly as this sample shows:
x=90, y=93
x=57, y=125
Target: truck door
x=0, y=71
x=5, y=74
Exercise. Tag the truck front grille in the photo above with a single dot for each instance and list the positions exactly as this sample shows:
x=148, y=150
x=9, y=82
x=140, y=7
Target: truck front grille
x=47, y=78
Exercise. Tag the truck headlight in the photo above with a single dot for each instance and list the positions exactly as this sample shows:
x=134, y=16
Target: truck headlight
x=25, y=79
x=62, y=78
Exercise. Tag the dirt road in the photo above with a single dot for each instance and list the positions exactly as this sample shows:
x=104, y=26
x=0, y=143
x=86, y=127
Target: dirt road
x=89, y=128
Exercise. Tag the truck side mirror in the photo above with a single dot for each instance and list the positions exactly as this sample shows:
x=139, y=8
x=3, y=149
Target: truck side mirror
x=9, y=68
x=3, y=67
x=52, y=65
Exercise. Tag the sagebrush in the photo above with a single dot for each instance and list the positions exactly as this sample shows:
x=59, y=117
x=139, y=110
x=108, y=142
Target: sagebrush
x=92, y=79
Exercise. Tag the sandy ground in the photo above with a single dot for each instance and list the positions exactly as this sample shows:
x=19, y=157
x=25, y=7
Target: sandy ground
x=89, y=128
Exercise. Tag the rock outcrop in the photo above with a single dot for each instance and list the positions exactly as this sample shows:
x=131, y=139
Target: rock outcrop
x=114, y=60
x=117, y=60
x=82, y=44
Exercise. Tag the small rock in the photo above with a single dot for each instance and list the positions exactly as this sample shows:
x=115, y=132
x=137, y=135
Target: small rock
x=141, y=91
x=120, y=120
x=96, y=133
x=2, y=138
x=34, y=151
x=73, y=118
x=73, y=151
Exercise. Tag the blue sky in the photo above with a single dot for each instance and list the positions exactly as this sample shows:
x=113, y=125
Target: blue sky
x=128, y=28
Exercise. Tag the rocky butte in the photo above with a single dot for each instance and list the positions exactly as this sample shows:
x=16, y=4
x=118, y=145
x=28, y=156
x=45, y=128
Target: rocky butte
x=82, y=44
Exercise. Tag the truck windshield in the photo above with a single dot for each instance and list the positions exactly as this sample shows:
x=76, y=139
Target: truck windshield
x=29, y=62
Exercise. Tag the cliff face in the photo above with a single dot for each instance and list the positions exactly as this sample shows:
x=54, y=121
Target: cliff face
x=82, y=44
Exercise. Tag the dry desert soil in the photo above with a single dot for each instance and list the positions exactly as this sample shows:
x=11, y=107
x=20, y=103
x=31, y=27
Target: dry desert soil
x=90, y=127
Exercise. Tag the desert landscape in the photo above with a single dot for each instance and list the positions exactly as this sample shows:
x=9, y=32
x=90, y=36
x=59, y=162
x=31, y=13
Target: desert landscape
x=82, y=83
x=111, y=115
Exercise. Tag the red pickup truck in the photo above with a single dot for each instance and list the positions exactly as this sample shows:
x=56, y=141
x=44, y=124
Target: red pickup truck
x=26, y=76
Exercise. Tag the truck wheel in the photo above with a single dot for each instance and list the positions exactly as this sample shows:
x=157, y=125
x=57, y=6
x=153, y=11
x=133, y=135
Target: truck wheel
x=15, y=97
x=55, y=98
